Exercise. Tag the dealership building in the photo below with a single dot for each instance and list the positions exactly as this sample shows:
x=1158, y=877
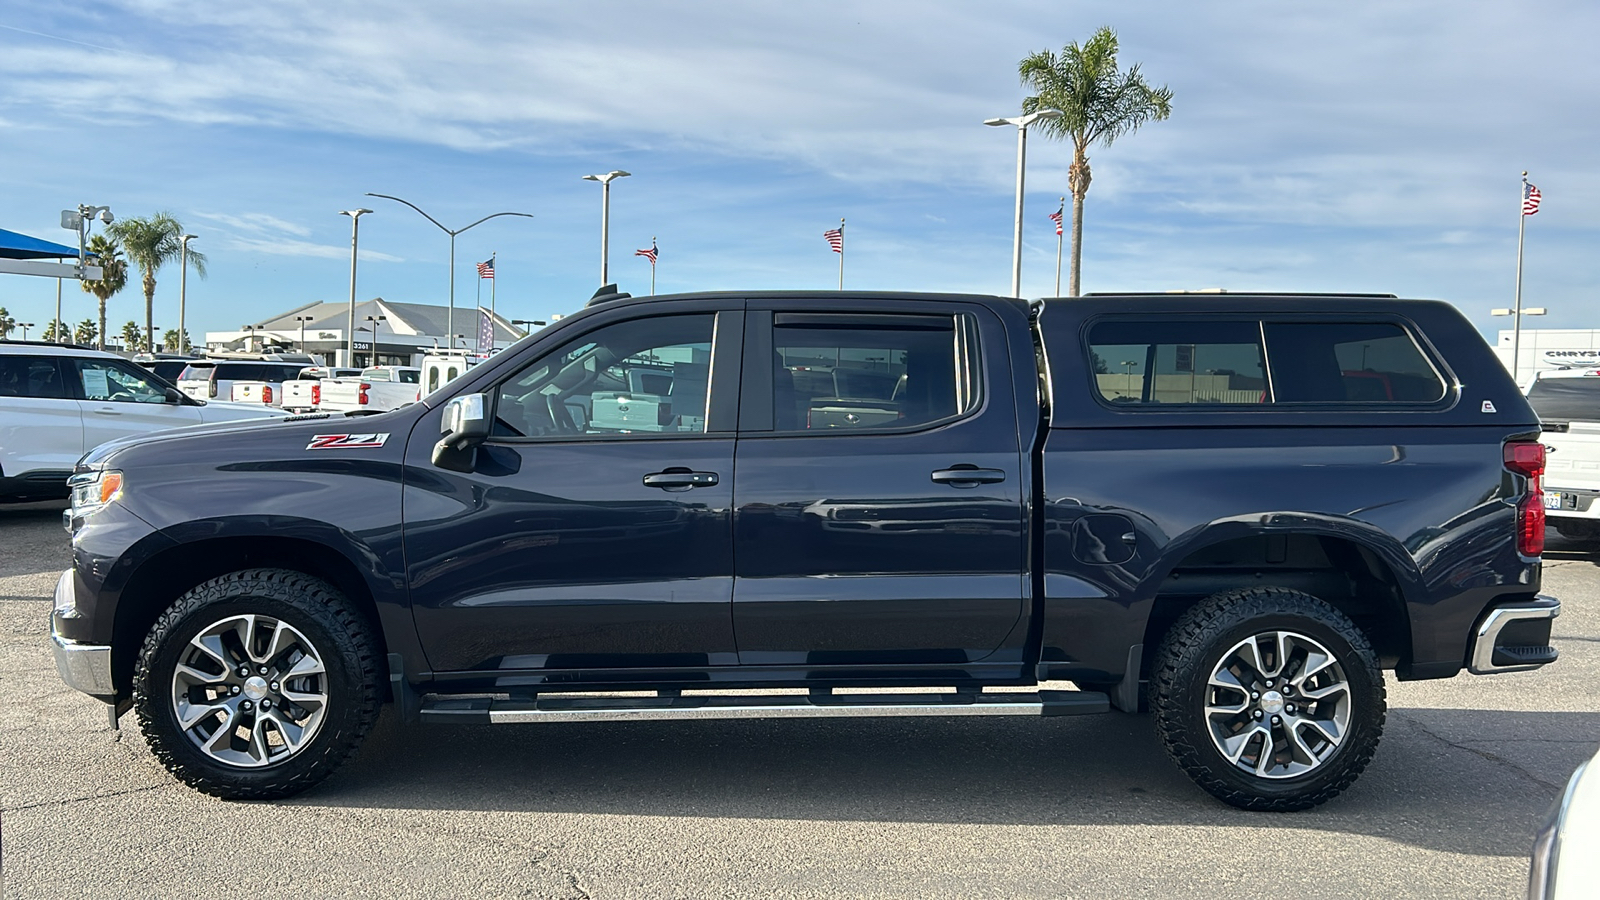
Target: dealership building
x=1549, y=348
x=386, y=333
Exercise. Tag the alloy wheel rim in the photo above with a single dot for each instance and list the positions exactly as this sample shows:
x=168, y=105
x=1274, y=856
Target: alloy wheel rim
x=250, y=691
x=1277, y=705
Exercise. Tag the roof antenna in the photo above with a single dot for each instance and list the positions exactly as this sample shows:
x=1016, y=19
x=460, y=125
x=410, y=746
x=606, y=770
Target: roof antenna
x=607, y=293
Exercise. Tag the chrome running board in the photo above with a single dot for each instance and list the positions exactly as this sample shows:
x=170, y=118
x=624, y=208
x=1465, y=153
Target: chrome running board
x=568, y=708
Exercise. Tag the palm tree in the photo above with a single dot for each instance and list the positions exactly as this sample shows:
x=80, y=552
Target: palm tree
x=86, y=333
x=150, y=244
x=6, y=323
x=113, y=277
x=132, y=340
x=1098, y=104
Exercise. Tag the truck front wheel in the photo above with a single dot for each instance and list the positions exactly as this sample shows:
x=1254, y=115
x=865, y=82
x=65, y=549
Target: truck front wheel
x=1270, y=699
x=256, y=685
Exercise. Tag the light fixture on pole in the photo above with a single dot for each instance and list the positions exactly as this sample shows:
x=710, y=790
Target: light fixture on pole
x=78, y=220
x=24, y=326
x=527, y=331
x=183, y=294
x=605, y=217
x=1022, y=123
x=303, y=321
x=1516, y=334
x=350, y=332
x=450, y=318
x=374, y=328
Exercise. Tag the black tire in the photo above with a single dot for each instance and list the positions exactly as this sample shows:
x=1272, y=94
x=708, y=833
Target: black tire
x=1214, y=631
x=307, y=622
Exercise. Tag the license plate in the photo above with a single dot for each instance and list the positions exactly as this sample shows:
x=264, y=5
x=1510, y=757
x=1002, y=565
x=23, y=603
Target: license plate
x=1552, y=499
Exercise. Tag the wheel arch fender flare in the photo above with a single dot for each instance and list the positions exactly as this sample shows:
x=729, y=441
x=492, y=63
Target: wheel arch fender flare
x=1389, y=551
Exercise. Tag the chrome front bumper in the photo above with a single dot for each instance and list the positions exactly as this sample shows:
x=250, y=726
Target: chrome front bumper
x=85, y=667
x=1490, y=655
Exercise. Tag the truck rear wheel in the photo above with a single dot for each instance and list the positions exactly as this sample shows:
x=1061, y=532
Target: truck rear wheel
x=1270, y=699
x=256, y=685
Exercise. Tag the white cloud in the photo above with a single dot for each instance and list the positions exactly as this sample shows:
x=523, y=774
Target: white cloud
x=286, y=247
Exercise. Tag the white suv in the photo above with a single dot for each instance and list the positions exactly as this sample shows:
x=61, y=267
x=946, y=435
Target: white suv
x=58, y=401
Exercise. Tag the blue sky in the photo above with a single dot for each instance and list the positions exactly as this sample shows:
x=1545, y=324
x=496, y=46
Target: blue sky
x=1314, y=146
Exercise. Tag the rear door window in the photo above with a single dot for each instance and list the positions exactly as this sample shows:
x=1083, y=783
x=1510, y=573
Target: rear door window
x=38, y=377
x=849, y=372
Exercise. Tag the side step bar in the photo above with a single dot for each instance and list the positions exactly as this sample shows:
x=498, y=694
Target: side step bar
x=485, y=711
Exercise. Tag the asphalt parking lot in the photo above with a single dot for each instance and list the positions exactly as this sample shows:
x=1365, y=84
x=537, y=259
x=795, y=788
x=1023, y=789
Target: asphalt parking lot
x=1065, y=807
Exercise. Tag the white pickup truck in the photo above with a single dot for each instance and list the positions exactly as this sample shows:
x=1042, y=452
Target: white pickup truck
x=376, y=389
x=1568, y=404
x=304, y=393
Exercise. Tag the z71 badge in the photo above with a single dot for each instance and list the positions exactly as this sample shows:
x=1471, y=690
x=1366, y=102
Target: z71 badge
x=346, y=441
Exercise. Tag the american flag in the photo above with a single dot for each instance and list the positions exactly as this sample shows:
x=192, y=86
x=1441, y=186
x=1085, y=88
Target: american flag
x=835, y=238
x=1530, y=198
x=486, y=268
x=649, y=254
x=1056, y=217
x=485, y=326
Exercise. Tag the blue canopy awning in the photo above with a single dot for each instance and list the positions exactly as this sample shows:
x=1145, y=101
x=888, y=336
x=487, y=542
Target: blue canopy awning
x=20, y=246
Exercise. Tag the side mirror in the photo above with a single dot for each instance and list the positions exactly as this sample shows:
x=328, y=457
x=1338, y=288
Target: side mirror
x=465, y=424
x=173, y=395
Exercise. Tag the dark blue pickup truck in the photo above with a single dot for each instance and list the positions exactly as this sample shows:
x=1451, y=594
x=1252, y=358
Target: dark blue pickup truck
x=1235, y=511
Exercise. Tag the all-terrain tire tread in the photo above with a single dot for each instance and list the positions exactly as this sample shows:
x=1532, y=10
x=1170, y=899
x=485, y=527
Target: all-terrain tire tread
x=1178, y=660
x=340, y=735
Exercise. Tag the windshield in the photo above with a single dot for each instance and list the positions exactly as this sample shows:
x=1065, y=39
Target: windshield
x=1566, y=399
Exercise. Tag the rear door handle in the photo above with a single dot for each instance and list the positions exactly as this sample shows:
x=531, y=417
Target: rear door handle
x=679, y=479
x=965, y=476
x=108, y=411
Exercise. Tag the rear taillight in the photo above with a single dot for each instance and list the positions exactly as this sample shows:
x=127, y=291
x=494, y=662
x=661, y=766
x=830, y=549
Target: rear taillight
x=212, y=388
x=1526, y=458
x=362, y=398
x=266, y=395
x=316, y=394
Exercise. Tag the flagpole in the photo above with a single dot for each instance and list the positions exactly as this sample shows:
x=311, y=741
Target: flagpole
x=494, y=284
x=653, y=266
x=1516, y=307
x=1061, y=209
x=841, y=253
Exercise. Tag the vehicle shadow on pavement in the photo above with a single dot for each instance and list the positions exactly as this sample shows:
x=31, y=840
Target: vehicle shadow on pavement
x=1425, y=787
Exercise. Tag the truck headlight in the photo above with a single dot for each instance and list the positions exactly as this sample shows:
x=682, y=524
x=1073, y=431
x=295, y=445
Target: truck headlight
x=92, y=490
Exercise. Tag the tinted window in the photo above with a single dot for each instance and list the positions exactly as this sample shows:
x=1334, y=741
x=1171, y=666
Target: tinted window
x=31, y=376
x=240, y=371
x=1178, y=362
x=831, y=373
x=409, y=377
x=587, y=386
x=1349, y=362
x=1566, y=399
x=117, y=381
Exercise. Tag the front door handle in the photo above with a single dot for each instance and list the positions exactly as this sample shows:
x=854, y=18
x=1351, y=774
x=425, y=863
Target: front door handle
x=966, y=476
x=679, y=479
x=108, y=411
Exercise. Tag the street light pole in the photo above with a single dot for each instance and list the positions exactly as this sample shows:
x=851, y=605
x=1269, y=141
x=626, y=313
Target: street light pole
x=1022, y=123
x=450, y=318
x=350, y=333
x=605, y=217
x=183, y=293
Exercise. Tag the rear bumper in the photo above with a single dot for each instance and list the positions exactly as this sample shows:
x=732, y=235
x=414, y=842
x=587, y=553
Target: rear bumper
x=1514, y=637
x=84, y=667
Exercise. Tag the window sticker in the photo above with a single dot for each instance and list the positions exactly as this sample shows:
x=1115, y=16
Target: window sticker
x=95, y=384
